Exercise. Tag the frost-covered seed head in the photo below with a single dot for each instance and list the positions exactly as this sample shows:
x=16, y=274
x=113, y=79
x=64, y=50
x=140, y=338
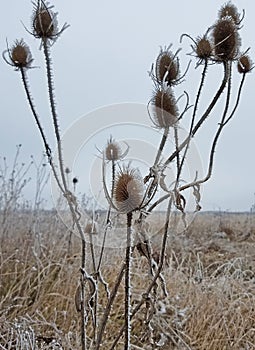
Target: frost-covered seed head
x=226, y=39
x=244, y=64
x=230, y=10
x=43, y=21
x=165, y=111
x=19, y=55
x=113, y=151
x=204, y=48
x=128, y=190
x=167, y=68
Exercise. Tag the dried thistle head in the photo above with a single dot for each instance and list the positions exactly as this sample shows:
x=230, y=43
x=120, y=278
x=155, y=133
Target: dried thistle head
x=44, y=22
x=230, y=10
x=113, y=151
x=203, y=49
x=226, y=40
x=19, y=55
x=128, y=190
x=167, y=67
x=244, y=64
x=165, y=111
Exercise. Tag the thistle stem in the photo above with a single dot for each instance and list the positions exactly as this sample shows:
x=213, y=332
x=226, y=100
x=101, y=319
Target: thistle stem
x=39, y=125
x=156, y=276
x=71, y=200
x=109, y=306
x=202, y=119
x=162, y=145
x=193, y=118
x=128, y=283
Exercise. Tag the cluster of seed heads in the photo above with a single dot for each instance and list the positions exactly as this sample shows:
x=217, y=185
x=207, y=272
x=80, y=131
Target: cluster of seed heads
x=167, y=74
x=222, y=41
x=44, y=27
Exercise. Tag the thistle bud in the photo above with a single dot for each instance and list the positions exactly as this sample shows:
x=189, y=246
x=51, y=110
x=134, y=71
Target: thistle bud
x=226, y=40
x=165, y=111
x=244, y=64
x=167, y=68
x=128, y=190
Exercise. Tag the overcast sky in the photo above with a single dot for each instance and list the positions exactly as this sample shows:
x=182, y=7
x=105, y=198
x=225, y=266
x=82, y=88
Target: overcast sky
x=103, y=59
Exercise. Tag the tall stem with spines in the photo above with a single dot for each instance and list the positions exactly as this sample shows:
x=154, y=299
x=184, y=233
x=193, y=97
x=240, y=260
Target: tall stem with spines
x=202, y=119
x=67, y=193
x=128, y=282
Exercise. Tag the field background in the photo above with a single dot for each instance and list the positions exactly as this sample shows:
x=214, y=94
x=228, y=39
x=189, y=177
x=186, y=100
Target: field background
x=209, y=272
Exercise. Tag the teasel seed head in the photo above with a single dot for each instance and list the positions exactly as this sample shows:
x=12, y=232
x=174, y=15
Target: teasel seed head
x=165, y=111
x=128, y=190
x=19, y=55
x=113, y=150
x=226, y=40
x=203, y=48
x=44, y=22
x=244, y=64
x=167, y=68
x=230, y=10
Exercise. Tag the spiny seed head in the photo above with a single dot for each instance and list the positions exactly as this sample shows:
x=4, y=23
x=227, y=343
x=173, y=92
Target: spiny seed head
x=244, y=64
x=226, y=39
x=113, y=151
x=165, y=111
x=20, y=55
x=203, y=48
x=128, y=190
x=44, y=21
x=167, y=68
x=230, y=10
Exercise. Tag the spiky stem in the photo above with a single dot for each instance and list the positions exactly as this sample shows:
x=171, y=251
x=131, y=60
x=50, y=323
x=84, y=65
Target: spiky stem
x=161, y=146
x=108, y=307
x=128, y=283
x=155, y=278
x=202, y=119
x=217, y=135
x=83, y=306
x=108, y=216
x=39, y=125
x=193, y=117
x=71, y=200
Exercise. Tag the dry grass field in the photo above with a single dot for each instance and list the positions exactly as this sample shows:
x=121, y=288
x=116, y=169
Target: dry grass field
x=209, y=273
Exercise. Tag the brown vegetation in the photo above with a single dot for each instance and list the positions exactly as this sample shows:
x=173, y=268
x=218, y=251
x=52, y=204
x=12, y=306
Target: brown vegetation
x=209, y=273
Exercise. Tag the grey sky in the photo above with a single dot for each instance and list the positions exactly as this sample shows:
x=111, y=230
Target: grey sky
x=103, y=58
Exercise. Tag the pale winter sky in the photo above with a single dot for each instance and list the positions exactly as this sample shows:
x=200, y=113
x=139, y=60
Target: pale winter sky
x=103, y=59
